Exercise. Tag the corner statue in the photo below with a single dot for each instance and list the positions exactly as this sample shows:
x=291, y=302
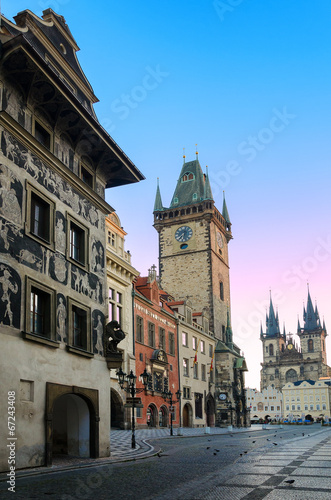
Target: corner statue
x=113, y=336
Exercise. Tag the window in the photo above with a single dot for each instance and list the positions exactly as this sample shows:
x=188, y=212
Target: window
x=306, y=407
x=87, y=176
x=140, y=329
x=115, y=306
x=171, y=344
x=221, y=290
x=188, y=176
x=299, y=407
x=194, y=343
x=202, y=346
x=287, y=407
x=77, y=243
x=186, y=392
x=111, y=238
x=198, y=405
x=195, y=370
x=184, y=339
x=210, y=351
x=278, y=408
x=272, y=408
x=39, y=216
x=151, y=334
x=318, y=407
x=162, y=340
x=185, y=367
x=138, y=412
x=203, y=372
x=40, y=312
x=42, y=135
x=79, y=319
x=323, y=406
x=310, y=345
x=271, y=350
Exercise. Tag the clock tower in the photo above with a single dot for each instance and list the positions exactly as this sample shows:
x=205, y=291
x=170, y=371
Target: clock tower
x=193, y=246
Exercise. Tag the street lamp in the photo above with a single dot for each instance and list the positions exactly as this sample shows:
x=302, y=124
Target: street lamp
x=230, y=408
x=167, y=396
x=133, y=390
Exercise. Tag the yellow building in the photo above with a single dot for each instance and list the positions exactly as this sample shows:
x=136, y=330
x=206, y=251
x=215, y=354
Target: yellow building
x=307, y=399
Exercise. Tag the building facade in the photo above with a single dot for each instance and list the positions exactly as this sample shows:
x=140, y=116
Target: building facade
x=156, y=351
x=266, y=405
x=196, y=347
x=55, y=163
x=120, y=277
x=307, y=400
x=285, y=360
x=194, y=266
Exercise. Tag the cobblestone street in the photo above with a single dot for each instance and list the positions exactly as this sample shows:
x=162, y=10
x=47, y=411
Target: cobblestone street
x=273, y=463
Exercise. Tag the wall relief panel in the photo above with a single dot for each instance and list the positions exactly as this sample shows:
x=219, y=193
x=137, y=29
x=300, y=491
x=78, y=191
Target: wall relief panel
x=10, y=296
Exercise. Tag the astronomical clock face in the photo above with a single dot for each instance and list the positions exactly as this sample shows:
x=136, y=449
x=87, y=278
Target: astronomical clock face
x=222, y=397
x=183, y=233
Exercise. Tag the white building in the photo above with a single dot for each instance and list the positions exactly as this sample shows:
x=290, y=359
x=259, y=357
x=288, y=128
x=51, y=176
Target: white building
x=265, y=405
x=307, y=399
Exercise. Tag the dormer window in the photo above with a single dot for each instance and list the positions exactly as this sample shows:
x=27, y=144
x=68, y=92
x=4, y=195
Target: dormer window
x=175, y=201
x=195, y=196
x=188, y=176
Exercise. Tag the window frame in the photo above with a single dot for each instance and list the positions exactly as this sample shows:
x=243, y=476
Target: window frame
x=89, y=171
x=151, y=334
x=47, y=129
x=172, y=347
x=48, y=338
x=140, y=329
x=32, y=194
x=84, y=263
x=71, y=347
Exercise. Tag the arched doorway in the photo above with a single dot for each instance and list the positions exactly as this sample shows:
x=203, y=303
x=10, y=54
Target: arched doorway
x=85, y=410
x=116, y=410
x=151, y=415
x=210, y=411
x=163, y=416
x=71, y=426
x=187, y=415
x=309, y=418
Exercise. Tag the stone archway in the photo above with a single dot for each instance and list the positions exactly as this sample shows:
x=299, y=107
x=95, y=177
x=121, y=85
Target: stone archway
x=71, y=426
x=163, y=416
x=187, y=415
x=151, y=415
x=116, y=410
x=87, y=411
x=210, y=411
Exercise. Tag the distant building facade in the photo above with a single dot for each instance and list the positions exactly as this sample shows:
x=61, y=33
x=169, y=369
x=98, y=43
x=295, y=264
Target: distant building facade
x=266, y=405
x=55, y=163
x=307, y=400
x=283, y=360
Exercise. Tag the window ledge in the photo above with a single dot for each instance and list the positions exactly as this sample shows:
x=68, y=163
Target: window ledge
x=40, y=339
x=80, y=352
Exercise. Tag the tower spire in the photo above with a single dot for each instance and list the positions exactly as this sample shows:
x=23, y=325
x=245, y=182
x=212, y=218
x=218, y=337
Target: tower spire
x=158, y=201
x=225, y=212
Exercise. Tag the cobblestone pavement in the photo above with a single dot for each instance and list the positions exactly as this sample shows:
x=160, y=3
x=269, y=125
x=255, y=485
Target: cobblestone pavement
x=120, y=443
x=299, y=470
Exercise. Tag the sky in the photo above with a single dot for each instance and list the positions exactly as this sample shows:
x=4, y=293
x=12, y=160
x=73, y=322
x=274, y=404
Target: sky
x=249, y=82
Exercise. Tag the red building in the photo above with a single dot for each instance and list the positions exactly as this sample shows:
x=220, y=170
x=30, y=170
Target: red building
x=156, y=350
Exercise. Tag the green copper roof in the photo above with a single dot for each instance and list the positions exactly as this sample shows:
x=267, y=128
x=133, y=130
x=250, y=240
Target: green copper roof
x=158, y=201
x=240, y=363
x=192, y=186
x=225, y=212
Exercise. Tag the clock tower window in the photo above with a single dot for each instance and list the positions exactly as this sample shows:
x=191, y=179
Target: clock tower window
x=221, y=290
